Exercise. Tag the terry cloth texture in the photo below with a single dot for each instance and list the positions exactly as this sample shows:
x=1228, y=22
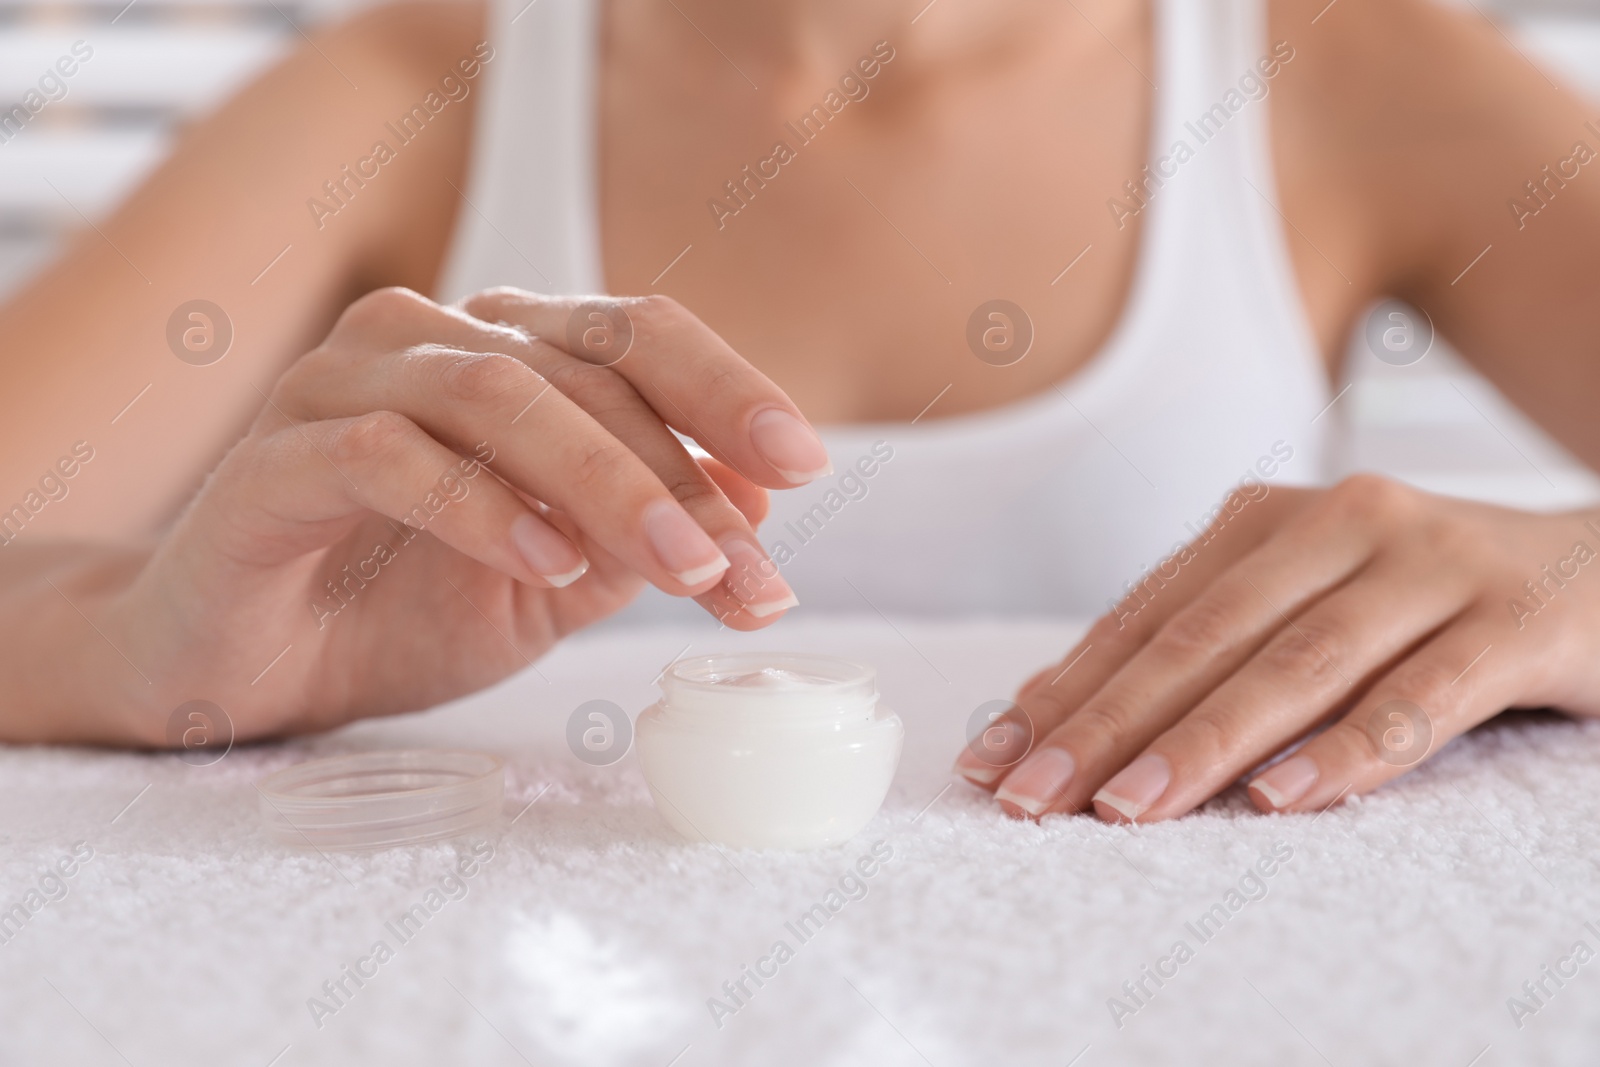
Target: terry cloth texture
x=1395, y=932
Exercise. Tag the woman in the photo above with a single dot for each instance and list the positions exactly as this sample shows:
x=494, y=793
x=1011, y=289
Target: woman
x=1062, y=285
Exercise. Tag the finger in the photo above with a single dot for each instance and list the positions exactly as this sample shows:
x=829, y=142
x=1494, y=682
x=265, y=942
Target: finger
x=749, y=498
x=449, y=390
x=689, y=375
x=1314, y=666
x=1115, y=638
x=305, y=486
x=753, y=592
x=1459, y=679
x=555, y=451
x=1202, y=643
x=384, y=320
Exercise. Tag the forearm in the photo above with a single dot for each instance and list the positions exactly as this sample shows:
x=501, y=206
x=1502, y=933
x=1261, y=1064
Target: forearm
x=93, y=348
x=63, y=675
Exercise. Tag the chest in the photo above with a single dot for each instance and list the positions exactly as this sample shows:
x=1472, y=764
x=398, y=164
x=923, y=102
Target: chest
x=852, y=237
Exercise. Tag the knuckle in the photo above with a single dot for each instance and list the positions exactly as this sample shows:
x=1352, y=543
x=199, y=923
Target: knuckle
x=1103, y=718
x=1200, y=629
x=657, y=313
x=596, y=470
x=370, y=439
x=1208, y=737
x=1350, y=737
x=1042, y=709
x=695, y=494
x=724, y=379
x=1308, y=654
x=1370, y=498
x=597, y=390
x=1425, y=684
x=491, y=304
x=383, y=307
x=1122, y=631
x=481, y=377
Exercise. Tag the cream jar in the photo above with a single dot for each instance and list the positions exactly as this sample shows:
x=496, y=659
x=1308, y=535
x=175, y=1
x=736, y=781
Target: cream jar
x=768, y=750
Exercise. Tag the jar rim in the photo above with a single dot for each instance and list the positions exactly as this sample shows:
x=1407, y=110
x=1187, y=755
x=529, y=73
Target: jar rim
x=823, y=674
x=768, y=689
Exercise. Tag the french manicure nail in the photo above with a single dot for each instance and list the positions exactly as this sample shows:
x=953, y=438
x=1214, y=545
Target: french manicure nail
x=684, y=549
x=991, y=755
x=973, y=769
x=1287, y=782
x=1039, y=781
x=1136, y=788
x=790, y=446
x=754, y=579
x=761, y=611
x=550, y=555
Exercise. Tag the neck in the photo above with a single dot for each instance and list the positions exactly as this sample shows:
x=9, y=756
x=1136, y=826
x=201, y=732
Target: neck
x=798, y=32
x=775, y=39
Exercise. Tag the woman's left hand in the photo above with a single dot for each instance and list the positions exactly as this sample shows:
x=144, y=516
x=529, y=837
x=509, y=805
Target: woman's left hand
x=1400, y=617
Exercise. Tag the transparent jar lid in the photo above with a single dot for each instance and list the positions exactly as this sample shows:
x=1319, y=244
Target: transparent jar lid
x=382, y=799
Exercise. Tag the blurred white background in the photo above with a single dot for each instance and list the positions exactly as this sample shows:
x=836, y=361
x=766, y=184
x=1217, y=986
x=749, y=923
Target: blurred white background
x=157, y=63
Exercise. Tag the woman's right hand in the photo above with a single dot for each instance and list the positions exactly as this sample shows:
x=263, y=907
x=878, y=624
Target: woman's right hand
x=297, y=592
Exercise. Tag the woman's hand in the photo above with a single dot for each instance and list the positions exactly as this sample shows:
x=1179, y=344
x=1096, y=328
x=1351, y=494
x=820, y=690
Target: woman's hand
x=1400, y=617
x=426, y=503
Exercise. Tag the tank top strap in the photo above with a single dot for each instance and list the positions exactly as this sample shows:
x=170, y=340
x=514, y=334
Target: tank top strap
x=529, y=215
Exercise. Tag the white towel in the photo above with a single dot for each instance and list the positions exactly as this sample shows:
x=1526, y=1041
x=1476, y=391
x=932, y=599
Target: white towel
x=595, y=936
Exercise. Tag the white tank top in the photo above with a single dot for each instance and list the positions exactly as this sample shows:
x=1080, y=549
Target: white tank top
x=1053, y=504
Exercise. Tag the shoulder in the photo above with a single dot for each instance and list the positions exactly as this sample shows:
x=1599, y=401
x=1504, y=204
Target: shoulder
x=415, y=38
x=1418, y=118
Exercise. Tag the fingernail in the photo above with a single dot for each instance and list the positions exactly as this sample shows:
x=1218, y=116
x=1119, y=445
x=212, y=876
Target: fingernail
x=1039, y=780
x=992, y=754
x=1287, y=782
x=754, y=579
x=1136, y=787
x=792, y=447
x=973, y=769
x=684, y=549
x=551, y=556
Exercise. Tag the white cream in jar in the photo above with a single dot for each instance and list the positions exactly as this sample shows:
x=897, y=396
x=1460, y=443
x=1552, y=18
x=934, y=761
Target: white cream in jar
x=768, y=750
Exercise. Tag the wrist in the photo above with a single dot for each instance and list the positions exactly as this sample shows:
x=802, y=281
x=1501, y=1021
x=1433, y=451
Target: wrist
x=65, y=662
